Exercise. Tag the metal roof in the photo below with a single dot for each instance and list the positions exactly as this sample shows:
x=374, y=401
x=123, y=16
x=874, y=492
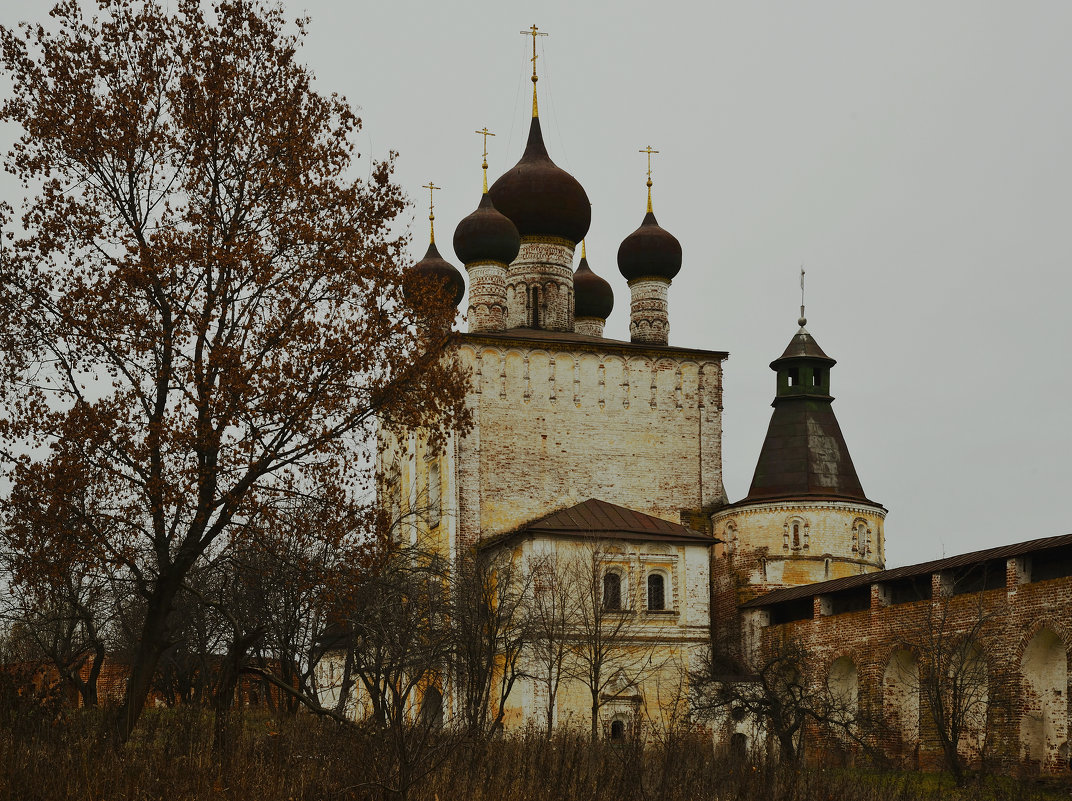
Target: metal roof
x=802, y=346
x=804, y=454
x=570, y=339
x=596, y=519
x=923, y=568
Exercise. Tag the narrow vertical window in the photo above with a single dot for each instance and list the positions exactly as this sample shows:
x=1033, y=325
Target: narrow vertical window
x=796, y=535
x=435, y=501
x=656, y=592
x=612, y=591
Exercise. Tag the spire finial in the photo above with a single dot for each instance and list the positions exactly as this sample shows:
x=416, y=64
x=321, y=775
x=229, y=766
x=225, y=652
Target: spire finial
x=584, y=254
x=650, y=152
x=533, y=32
x=485, y=133
x=803, y=321
x=431, y=187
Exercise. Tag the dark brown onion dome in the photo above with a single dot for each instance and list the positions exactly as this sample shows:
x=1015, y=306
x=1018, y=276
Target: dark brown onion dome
x=436, y=269
x=593, y=296
x=540, y=198
x=649, y=252
x=486, y=235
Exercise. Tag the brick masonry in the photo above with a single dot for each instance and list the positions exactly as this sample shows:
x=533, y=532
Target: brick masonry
x=1020, y=632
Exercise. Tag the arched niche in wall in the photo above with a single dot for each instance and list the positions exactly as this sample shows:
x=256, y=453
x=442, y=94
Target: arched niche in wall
x=1043, y=700
x=900, y=698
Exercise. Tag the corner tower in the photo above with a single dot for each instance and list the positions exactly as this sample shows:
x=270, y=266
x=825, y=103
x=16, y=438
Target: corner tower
x=806, y=517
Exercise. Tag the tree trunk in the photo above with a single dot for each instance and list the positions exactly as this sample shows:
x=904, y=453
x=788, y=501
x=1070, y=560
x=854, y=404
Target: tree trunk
x=787, y=747
x=595, y=717
x=151, y=645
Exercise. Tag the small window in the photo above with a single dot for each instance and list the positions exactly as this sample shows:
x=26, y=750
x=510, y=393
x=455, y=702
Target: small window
x=817, y=378
x=794, y=376
x=435, y=499
x=617, y=730
x=612, y=591
x=656, y=593
x=796, y=535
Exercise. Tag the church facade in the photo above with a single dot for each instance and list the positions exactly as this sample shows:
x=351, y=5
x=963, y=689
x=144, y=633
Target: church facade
x=606, y=454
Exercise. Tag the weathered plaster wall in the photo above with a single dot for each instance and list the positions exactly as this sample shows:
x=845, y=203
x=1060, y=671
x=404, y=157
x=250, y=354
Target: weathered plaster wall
x=774, y=545
x=555, y=426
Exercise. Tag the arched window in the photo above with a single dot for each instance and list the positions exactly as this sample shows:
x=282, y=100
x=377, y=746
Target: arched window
x=861, y=537
x=730, y=541
x=617, y=730
x=612, y=590
x=656, y=592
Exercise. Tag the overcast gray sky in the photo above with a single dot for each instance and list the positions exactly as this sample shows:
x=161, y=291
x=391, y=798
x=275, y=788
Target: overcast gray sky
x=914, y=156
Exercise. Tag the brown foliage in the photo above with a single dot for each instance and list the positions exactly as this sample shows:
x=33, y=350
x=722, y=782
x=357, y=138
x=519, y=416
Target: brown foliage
x=204, y=304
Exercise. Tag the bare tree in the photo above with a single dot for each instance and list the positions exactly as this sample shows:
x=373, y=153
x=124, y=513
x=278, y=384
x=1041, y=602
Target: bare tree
x=773, y=692
x=950, y=642
x=607, y=655
x=489, y=613
x=401, y=645
x=551, y=619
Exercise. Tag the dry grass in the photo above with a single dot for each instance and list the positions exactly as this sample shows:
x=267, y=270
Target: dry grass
x=49, y=754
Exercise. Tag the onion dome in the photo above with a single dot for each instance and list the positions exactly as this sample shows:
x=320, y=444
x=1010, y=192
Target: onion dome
x=649, y=252
x=486, y=235
x=436, y=270
x=540, y=198
x=593, y=296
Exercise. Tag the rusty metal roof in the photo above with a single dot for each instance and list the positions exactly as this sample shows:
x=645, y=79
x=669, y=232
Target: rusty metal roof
x=802, y=346
x=923, y=568
x=596, y=519
x=572, y=340
x=804, y=454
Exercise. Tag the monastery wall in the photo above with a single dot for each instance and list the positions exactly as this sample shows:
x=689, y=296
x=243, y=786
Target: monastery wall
x=556, y=426
x=1019, y=633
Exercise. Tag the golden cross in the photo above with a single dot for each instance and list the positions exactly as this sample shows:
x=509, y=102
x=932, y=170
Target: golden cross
x=485, y=133
x=650, y=153
x=534, y=32
x=431, y=187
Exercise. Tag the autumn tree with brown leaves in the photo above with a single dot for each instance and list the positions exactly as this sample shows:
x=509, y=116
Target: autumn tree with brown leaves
x=202, y=302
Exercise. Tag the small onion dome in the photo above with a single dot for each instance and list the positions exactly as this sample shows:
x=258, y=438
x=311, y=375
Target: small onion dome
x=593, y=296
x=435, y=268
x=649, y=252
x=486, y=235
x=540, y=198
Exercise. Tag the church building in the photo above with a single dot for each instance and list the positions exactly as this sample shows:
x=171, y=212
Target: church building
x=607, y=454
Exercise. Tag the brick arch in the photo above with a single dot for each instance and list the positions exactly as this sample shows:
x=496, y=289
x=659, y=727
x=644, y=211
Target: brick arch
x=1061, y=630
x=1043, y=702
